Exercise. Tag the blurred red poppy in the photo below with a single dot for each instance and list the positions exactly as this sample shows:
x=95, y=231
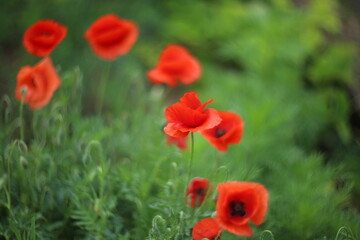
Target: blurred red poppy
x=41, y=38
x=189, y=115
x=37, y=84
x=240, y=202
x=175, y=65
x=111, y=37
x=206, y=228
x=197, y=191
x=179, y=142
x=229, y=131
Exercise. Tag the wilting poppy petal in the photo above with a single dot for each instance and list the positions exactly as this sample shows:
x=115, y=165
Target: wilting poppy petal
x=240, y=202
x=175, y=64
x=197, y=191
x=189, y=115
x=41, y=38
x=39, y=81
x=180, y=142
x=206, y=228
x=229, y=131
x=111, y=37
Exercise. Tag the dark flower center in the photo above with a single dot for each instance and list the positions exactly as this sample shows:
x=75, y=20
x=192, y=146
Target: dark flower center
x=237, y=208
x=199, y=191
x=219, y=132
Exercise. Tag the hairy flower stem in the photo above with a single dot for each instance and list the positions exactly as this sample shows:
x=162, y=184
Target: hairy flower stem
x=102, y=88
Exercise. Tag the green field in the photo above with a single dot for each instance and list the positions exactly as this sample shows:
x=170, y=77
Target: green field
x=96, y=165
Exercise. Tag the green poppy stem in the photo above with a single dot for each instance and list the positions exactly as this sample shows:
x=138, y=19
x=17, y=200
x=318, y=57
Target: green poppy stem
x=8, y=192
x=102, y=88
x=9, y=184
x=21, y=111
x=191, y=155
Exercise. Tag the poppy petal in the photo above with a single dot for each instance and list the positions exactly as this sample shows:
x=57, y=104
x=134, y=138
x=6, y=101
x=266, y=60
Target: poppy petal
x=110, y=36
x=229, y=131
x=206, y=228
x=40, y=81
x=173, y=52
x=259, y=215
x=157, y=76
x=41, y=38
x=191, y=100
x=172, y=130
x=186, y=116
x=192, y=72
x=212, y=120
x=242, y=230
x=178, y=65
x=189, y=115
x=239, y=202
x=197, y=191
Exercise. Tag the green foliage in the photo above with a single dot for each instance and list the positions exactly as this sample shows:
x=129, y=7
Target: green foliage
x=266, y=235
x=344, y=233
x=80, y=174
x=335, y=64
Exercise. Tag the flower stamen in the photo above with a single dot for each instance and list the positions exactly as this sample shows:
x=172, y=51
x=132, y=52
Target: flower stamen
x=200, y=191
x=237, y=208
x=219, y=132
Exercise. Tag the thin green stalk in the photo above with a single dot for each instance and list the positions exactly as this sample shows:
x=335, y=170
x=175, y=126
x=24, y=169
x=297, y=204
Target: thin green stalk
x=191, y=156
x=217, y=158
x=9, y=177
x=102, y=175
x=190, y=164
x=102, y=88
x=22, y=118
x=9, y=185
x=192, y=212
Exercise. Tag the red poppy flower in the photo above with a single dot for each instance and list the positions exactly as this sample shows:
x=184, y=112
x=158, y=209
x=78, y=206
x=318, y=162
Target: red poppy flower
x=197, y=190
x=229, y=131
x=240, y=202
x=179, y=142
x=206, y=228
x=42, y=37
x=38, y=83
x=175, y=64
x=111, y=37
x=189, y=115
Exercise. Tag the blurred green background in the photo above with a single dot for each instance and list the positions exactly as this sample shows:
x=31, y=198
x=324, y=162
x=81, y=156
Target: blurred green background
x=289, y=68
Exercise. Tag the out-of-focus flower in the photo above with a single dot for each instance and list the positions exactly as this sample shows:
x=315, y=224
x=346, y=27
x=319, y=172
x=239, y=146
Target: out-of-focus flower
x=37, y=84
x=197, y=191
x=175, y=65
x=111, y=37
x=189, y=115
x=41, y=38
x=240, y=202
x=229, y=131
